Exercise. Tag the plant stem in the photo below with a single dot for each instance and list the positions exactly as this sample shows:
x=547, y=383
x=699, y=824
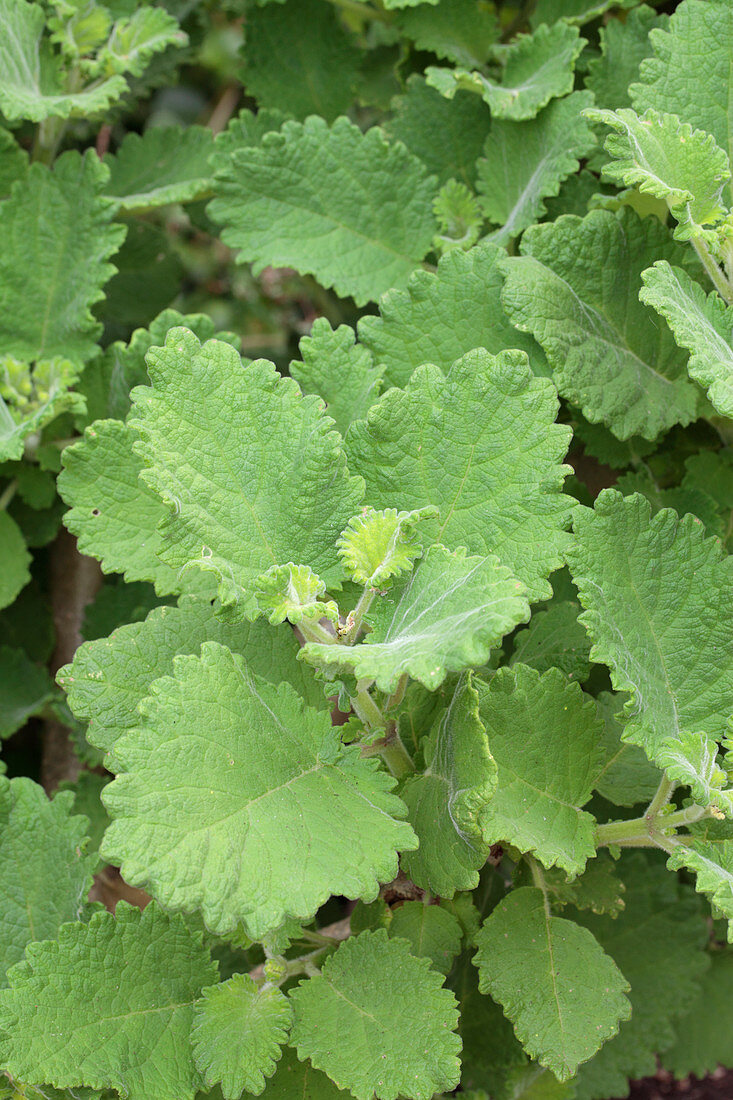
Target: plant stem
x=642, y=832
x=392, y=750
x=313, y=631
x=661, y=797
x=7, y=494
x=717, y=277
x=356, y=618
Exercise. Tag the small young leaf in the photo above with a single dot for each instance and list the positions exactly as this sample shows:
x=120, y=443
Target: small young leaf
x=691, y=760
x=292, y=592
x=340, y=371
x=377, y=546
x=711, y=861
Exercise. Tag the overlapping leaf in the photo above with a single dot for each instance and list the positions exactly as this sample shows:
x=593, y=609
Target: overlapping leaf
x=14, y=575
x=340, y=371
x=165, y=164
x=624, y=45
x=627, y=777
x=555, y=639
x=458, y=30
x=703, y=1037
x=430, y=930
x=711, y=861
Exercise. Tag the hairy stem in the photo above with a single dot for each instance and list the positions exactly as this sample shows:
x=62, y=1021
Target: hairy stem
x=7, y=494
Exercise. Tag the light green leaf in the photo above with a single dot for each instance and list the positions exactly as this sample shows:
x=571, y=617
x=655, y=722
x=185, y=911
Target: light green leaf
x=578, y=993
x=14, y=574
x=548, y=772
x=525, y=163
x=211, y=815
x=446, y=134
x=657, y=943
x=343, y=206
x=113, y=513
x=573, y=11
x=555, y=639
x=496, y=479
x=165, y=164
x=430, y=931
x=32, y=77
x=702, y=324
x=109, y=677
x=444, y=314
x=238, y=1030
x=655, y=592
x=25, y=689
x=680, y=497
x=690, y=74
x=711, y=861
x=458, y=30
x=444, y=802
x=627, y=777
x=378, y=1022
x=249, y=470
x=137, y=38
x=691, y=760
x=244, y=131
x=703, y=1037
x=79, y=1005
x=340, y=371
x=444, y=617
x=535, y=69
x=57, y=241
x=299, y=58
x=45, y=871
x=609, y=353
x=292, y=592
x=378, y=546
x=624, y=45
x=666, y=158
x=459, y=218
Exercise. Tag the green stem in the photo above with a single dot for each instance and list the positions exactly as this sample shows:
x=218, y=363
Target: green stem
x=717, y=277
x=365, y=707
x=356, y=618
x=538, y=878
x=644, y=832
x=398, y=694
x=313, y=631
x=662, y=795
x=7, y=494
x=396, y=756
x=392, y=750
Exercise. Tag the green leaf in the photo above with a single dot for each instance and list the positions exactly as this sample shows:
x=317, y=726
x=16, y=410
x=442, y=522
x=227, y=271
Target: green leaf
x=535, y=69
x=31, y=397
x=378, y=546
x=25, y=689
x=137, y=38
x=654, y=590
x=703, y=1036
x=378, y=1022
x=246, y=130
x=496, y=480
x=113, y=513
x=547, y=775
x=108, y=678
x=14, y=574
x=201, y=793
x=657, y=944
x=249, y=471
x=458, y=30
x=490, y=1048
x=292, y=592
x=555, y=639
x=298, y=58
x=45, y=871
x=598, y=888
x=57, y=241
x=444, y=617
x=691, y=760
x=165, y=164
x=624, y=45
x=340, y=371
x=444, y=314
x=13, y=162
x=343, y=206
x=79, y=1005
x=711, y=861
x=627, y=777
x=458, y=216
x=573, y=11
x=701, y=323
x=238, y=1030
x=431, y=932
x=296, y=1080
x=609, y=353
x=666, y=158
x=116, y=604
x=525, y=163
x=445, y=801
x=711, y=472
x=86, y=791
x=680, y=497
x=690, y=75
x=32, y=77
x=446, y=134
x=578, y=993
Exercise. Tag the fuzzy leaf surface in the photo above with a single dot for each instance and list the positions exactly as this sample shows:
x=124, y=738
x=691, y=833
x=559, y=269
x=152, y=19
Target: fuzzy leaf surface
x=216, y=818
x=495, y=479
x=624, y=45
x=711, y=861
x=249, y=470
x=578, y=993
x=627, y=776
x=458, y=30
x=340, y=371
x=343, y=206
x=165, y=164
x=378, y=1021
x=78, y=1006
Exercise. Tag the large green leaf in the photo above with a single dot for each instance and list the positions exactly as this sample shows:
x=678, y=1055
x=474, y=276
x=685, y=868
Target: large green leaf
x=711, y=861
x=213, y=815
x=249, y=470
x=108, y=1004
x=332, y=202
x=165, y=164
x=496, y=478
x=624, y=45
x=703, y=1035
x=459, y=30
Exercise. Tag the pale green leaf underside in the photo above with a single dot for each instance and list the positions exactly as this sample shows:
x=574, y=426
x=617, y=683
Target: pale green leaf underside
x=237, y=1034
x=495, y=479
x=691, y=760
x=609, y=353
x=249, y=470
x=163, y=165
x=712, y=863
x=547, y=772
x=79, y=1005
x=701, y=323
x=656, y=593
x=578, y=993
x=378, y=1021
x=343, y=206
x=213, y=815
x=443, y=618
x=340, y=371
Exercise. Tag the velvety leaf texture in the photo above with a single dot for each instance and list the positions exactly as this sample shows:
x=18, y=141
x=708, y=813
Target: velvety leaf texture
x=330, y=202
x=430, y=930
x=340, y=371
x=624, y=45
x=495, y=478
x=555, y=639
x=215, y=818
x=378, y=1021
x=249, y=470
